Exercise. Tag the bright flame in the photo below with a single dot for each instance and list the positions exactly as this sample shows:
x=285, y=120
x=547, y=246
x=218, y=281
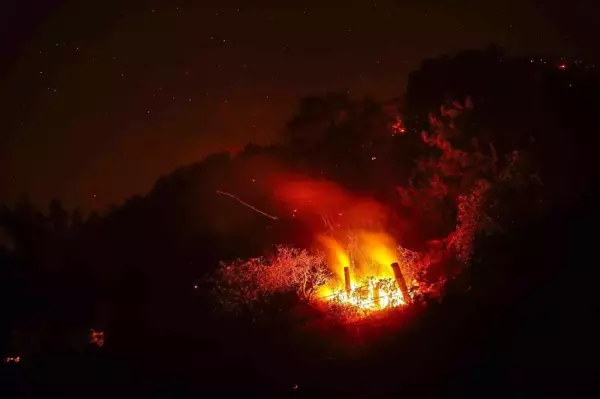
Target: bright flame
x=369, y=257
x=377, y=252
x=336, y=255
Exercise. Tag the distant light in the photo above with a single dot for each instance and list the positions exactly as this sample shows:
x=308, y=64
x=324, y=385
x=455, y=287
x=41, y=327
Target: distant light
x=195, y=286
x=373, y=158
x=562, y=66
x=96, y=337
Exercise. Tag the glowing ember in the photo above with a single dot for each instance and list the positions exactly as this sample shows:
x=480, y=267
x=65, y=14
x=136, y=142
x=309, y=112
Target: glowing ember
x=97, y=337
x=373, y=294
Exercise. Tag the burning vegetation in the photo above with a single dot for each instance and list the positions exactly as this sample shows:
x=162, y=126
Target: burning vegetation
x=356, y=266
x=369, y=274
x=353, y=269
x=331, y=287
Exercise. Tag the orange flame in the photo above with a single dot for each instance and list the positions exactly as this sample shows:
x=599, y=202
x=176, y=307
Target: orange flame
x=369, y=257
x=365, y=250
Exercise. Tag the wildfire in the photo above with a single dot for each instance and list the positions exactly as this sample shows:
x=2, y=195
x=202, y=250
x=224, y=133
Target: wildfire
x=367, y=276
x=372, y=295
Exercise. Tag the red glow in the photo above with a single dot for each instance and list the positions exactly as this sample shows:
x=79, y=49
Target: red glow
x=398, y=127
x=96, y=337
x=319, y=197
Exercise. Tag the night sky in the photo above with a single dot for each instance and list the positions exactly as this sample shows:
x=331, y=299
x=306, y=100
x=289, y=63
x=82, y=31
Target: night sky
x=99, y=98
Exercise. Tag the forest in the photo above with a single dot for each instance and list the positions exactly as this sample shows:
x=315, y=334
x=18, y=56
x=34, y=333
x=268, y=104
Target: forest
x=483, y=168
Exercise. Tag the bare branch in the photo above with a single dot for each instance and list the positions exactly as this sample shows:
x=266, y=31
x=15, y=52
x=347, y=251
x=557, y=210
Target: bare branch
x=247, y=205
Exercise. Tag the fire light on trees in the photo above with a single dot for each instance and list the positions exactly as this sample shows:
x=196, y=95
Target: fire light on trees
x=450, y=198
x=367, y=275
x=243, y=283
